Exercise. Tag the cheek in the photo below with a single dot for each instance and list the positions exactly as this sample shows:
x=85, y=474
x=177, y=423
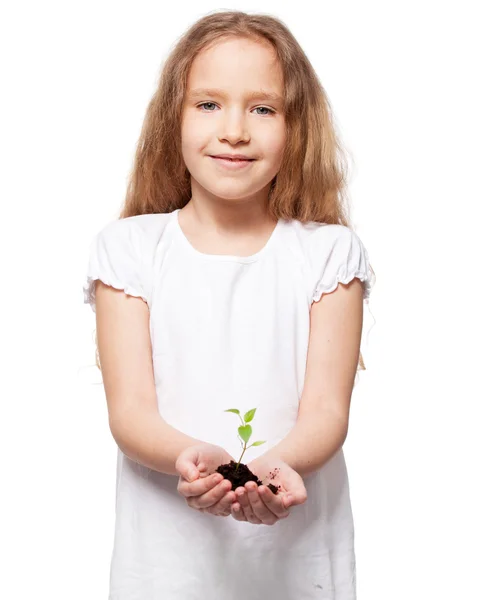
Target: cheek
x=189, y=142
x=275, y=145
x=194, y=134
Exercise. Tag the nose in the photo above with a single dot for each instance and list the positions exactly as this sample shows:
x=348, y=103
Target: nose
x=234, y=127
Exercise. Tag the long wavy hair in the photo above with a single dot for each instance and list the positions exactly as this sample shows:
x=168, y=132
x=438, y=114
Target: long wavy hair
x=311, y=182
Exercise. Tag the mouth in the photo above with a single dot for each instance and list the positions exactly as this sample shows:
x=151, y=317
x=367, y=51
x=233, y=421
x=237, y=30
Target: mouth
x=233, y=163
x=238, y=159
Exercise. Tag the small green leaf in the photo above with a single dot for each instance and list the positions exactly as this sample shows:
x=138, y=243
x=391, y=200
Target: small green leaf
x=248, y=417
x=233, y=410
x=258, y=443
x=245, y=432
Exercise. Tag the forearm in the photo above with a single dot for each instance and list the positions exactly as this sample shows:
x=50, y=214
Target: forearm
x=311, y=443
x=146, y=438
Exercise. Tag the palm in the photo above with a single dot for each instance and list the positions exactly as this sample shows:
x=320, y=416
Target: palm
x=210, y=457
x=279, y=473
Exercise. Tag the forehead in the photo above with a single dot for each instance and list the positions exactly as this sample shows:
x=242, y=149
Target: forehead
x=237, y=66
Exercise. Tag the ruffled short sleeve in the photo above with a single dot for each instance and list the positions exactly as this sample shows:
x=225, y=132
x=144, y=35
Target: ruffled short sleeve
x=116, y=258
x=338, y=257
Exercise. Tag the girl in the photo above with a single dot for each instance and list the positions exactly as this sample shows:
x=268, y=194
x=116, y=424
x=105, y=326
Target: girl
x=231, y=279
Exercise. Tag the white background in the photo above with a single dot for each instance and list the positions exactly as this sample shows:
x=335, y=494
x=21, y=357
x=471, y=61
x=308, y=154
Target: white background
x=413, y=89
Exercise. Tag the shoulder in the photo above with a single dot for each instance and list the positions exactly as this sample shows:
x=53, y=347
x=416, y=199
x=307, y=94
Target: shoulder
x=317, y=234
x=316, y=240
x=139, y=234
x=122, y=254
x=329, y=253
x=149, y=225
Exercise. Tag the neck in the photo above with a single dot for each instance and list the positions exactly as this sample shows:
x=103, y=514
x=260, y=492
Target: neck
x=231, y=217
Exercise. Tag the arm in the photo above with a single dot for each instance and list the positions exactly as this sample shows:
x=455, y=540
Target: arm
x=126, y=360
x=334, y=348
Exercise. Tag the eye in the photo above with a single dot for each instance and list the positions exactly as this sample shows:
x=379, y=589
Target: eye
x=265, y=108
x=204, y=104
x=271, y=111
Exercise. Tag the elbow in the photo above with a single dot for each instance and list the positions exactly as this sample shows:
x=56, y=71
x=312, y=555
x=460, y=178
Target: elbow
x=121, y=434
x=326, y=416
x=123, y=428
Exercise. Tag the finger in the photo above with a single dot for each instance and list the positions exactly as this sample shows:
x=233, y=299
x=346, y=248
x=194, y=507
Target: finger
x=296, y=496
x=237, y=512
x=222, y=508
x=203, y=470
x=186, y=465
x=245, y=505
x=293, y=500
x=199, y=486
x=274, y=502
x=259, y=508
x=211, y=497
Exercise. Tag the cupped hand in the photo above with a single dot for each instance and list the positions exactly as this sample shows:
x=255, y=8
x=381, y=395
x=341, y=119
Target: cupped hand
x=203, y=488
x=258, y=504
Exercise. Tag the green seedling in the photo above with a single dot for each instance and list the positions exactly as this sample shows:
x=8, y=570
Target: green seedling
x=245, y=431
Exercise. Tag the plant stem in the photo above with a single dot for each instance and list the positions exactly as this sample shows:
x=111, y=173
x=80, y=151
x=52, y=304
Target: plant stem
x=245, y=446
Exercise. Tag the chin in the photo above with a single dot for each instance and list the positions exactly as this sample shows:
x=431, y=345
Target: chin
x=233, y=196
x=231, y=192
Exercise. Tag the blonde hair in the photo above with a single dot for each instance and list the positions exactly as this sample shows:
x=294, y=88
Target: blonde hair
x=311, y=183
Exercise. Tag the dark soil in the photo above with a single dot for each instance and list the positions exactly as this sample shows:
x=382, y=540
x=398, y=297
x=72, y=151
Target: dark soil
x=242, y=476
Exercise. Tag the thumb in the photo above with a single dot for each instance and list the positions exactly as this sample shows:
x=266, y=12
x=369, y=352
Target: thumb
x=297, y=494
x=300, y=495
x=186, y=466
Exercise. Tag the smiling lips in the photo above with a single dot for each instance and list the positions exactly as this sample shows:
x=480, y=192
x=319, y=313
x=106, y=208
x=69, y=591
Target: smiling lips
x=232, y=163
x=233, y=156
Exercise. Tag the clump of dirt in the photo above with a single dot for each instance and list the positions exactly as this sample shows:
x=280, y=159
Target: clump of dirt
x=242, y=475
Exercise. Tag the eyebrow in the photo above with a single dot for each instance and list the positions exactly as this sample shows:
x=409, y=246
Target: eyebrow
x=261, y=95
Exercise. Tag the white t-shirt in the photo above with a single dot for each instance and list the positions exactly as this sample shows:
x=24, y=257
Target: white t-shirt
x=228, y=332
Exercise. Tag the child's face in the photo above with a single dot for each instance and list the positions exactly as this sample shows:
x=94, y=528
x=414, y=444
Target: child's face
x=234, y=123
